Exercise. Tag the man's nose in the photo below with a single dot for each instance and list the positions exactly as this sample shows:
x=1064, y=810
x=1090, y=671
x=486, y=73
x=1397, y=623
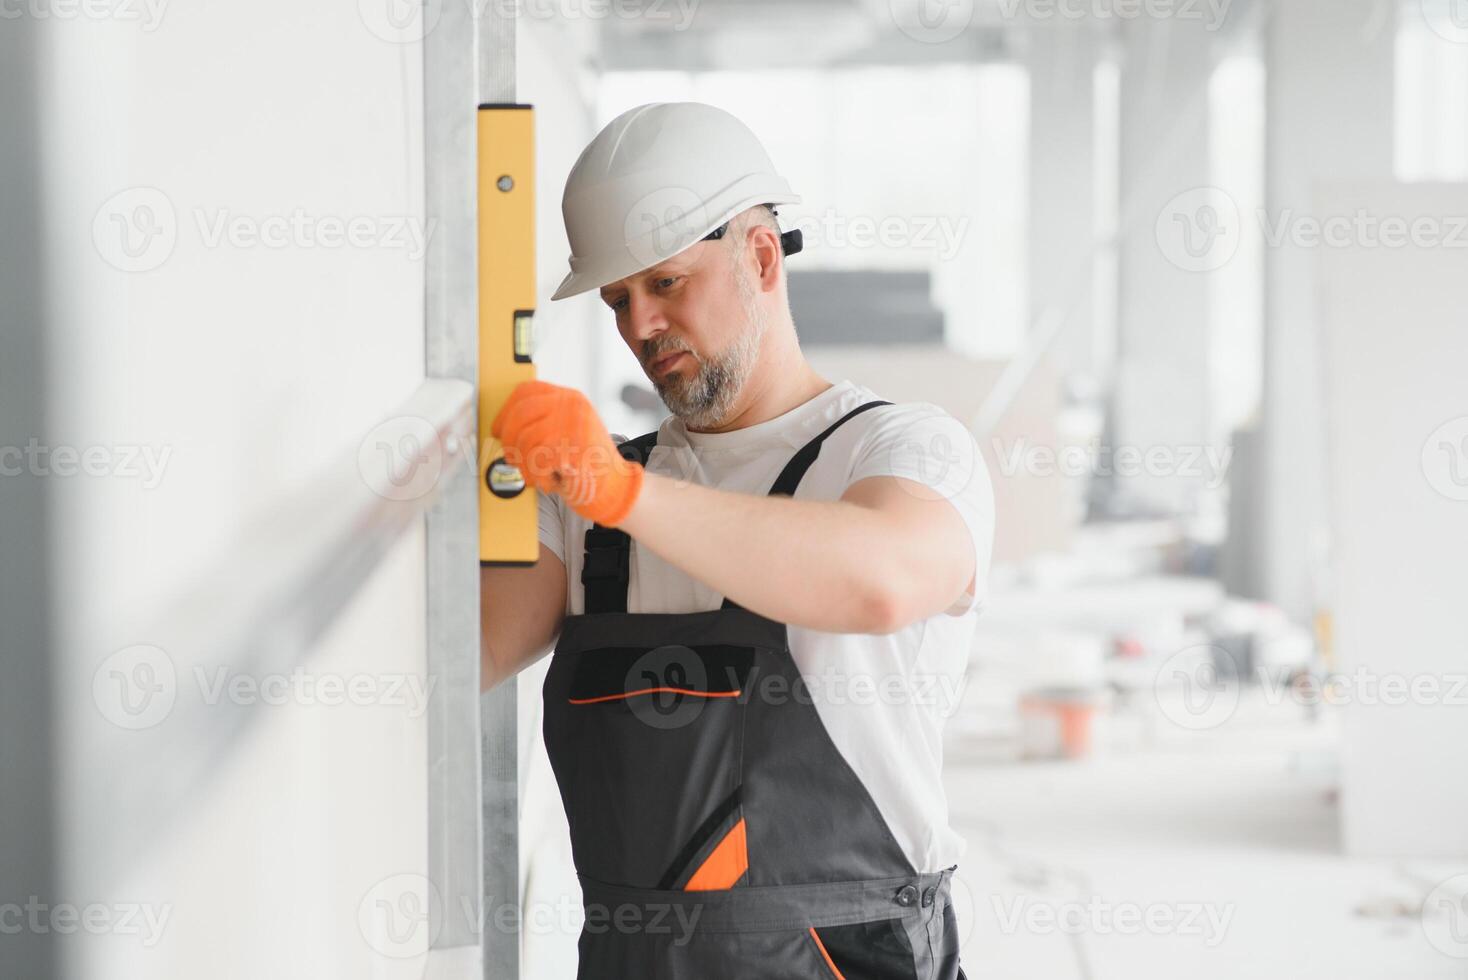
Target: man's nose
x=644, y=317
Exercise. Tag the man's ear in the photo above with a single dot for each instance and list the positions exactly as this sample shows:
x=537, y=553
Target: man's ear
x=768, y=254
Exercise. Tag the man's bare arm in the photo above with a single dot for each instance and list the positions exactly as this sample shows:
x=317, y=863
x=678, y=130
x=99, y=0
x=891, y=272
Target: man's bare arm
x=885, y=555
x=520, y=615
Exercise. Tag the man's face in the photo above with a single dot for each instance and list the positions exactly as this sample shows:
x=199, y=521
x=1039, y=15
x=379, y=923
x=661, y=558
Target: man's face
x=700, y=305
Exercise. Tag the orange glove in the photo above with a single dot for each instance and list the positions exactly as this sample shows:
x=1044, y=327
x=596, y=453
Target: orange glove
x=556, y=440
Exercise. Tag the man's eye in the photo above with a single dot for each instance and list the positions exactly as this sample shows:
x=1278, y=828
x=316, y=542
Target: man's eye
x=667, y=281
x=618, y=303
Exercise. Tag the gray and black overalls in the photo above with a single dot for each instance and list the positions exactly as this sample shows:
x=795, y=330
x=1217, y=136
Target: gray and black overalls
x=717, y=831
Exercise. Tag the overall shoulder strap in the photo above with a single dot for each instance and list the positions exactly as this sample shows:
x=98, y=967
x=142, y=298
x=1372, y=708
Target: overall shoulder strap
x=790, y=476
x=605, y=570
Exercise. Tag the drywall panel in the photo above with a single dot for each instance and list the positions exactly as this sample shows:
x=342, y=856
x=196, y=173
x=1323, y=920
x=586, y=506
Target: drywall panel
x=1393, y=290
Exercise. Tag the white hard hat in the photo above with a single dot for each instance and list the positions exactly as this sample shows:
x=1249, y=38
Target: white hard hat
x=656, y=180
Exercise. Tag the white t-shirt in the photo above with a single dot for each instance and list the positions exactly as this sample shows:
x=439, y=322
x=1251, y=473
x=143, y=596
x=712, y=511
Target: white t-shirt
x=883, y=698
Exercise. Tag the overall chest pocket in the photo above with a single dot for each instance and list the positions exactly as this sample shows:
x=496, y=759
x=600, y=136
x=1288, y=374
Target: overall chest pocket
x=647, y=744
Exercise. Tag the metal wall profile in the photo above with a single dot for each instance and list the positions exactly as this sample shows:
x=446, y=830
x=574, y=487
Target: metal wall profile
x=473, y=846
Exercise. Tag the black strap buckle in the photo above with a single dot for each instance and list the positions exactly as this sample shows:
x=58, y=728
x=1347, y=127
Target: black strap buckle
x=607, y=555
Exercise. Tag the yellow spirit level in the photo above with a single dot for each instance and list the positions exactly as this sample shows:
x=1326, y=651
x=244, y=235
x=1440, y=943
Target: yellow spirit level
x=507, y=506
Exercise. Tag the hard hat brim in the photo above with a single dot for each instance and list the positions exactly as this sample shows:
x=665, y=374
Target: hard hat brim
x=627, y=263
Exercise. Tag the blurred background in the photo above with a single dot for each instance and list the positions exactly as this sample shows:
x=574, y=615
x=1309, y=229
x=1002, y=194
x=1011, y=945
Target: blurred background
x=1194, y=273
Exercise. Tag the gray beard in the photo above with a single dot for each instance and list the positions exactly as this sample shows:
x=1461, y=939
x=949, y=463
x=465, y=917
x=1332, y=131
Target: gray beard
x=705, y=398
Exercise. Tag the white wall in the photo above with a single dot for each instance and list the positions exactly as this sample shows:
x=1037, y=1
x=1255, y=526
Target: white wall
x=249, y=365
x=279, y=868
x=1162, y=325
x=1394, y=349
x=1328, y=117
x=1063, y=161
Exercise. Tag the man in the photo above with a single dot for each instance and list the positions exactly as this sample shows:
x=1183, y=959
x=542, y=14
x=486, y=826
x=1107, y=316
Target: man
x=761, y=612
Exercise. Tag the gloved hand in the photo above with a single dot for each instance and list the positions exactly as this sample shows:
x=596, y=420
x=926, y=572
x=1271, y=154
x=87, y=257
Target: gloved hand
x=554, y=437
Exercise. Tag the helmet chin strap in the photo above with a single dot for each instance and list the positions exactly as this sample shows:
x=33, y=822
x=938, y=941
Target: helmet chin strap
x=791, y=241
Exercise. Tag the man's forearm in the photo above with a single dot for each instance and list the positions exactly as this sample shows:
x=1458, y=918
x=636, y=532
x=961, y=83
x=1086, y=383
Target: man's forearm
x=807, y=563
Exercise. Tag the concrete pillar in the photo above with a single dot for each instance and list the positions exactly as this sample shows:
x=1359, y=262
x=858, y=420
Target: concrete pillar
x=1329, y=91
x=1160, y=399
x=1062, y=198
x=1391, y=316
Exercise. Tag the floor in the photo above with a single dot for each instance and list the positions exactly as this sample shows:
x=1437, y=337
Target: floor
x=1178, y=852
